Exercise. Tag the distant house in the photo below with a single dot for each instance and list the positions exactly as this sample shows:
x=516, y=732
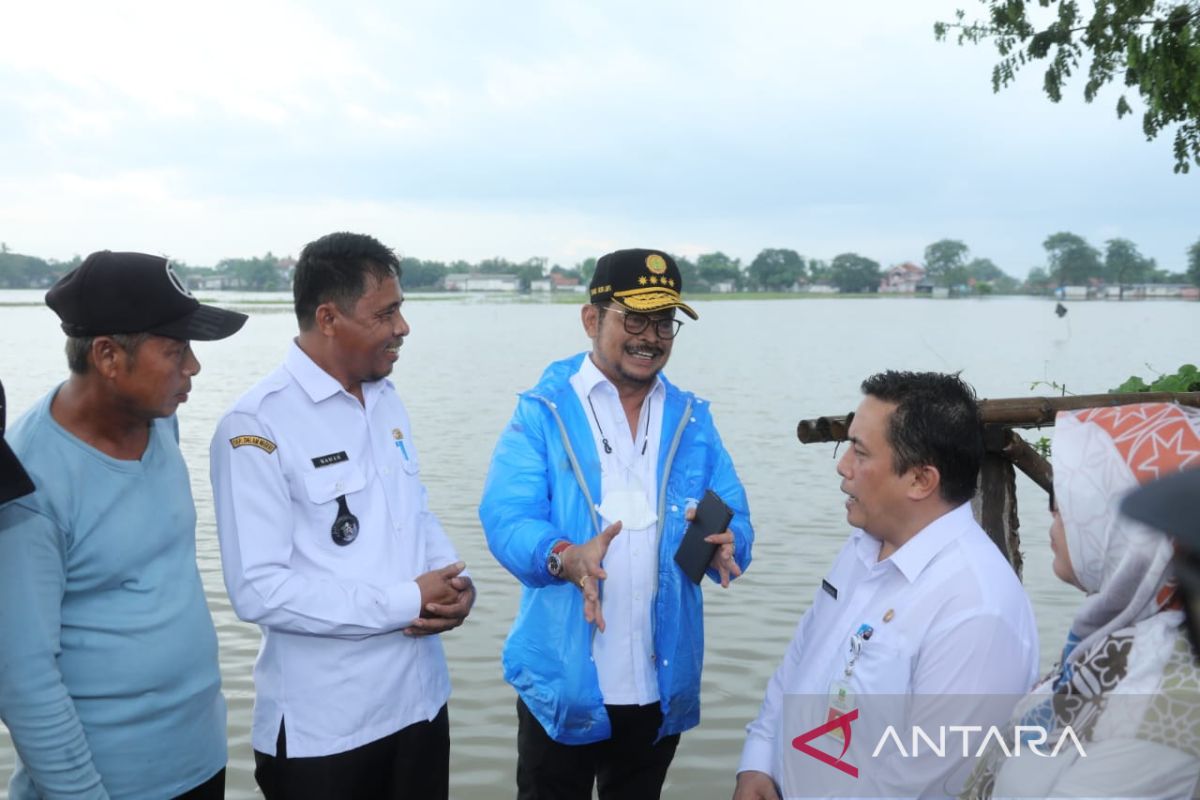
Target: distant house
x=1072, y=292
x=541, y=285
x=821, y=288
x=562, y=283
x=1160, y=291
x=214, y=282
x=721, y=287
x=464, y=282
x=902, y=279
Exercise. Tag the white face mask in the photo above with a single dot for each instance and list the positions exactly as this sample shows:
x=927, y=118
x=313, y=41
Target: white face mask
x=629, y=506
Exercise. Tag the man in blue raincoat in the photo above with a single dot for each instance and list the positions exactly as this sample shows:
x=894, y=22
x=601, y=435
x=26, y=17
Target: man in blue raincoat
x=589, y=494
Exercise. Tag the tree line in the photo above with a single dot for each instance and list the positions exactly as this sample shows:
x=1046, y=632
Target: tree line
x=1070, y=260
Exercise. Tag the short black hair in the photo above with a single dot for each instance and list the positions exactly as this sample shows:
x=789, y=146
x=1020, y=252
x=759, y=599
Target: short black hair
x=936, y=423
x=334, y=269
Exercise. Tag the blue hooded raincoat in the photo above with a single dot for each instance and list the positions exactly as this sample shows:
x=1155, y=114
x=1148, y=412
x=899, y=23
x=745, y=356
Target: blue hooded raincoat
x=542, y=487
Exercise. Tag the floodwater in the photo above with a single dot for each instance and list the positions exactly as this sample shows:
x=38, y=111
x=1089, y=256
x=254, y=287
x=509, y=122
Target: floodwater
x=763, y=364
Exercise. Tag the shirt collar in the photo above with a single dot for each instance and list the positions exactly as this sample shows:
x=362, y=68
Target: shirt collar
x=316, y=382
x=590, y=377
x=915, y=554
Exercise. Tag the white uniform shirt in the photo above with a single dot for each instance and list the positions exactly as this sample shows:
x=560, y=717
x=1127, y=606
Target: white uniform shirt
x=624, y=653
x=333, y=660
x=949, y=616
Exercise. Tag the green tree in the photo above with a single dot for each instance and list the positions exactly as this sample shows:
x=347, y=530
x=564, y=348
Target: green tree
x=946, y=262
x=687, y=271
x=258, y=274
x=1072, y=259
x=717, y=267
x=416, y=273
x=1124, y=264
x=851, y=272
x=818, y=271
x=529, y=272
x=497, y=266
x=586, y=269
x=776, y=268
x=984, y=271
x=18, y=271
x=1153, y=46
x=1193, y=269
x=1038, y=281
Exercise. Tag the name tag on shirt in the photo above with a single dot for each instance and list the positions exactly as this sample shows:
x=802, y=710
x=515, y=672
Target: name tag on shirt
x=829, y=588
x=332, y=458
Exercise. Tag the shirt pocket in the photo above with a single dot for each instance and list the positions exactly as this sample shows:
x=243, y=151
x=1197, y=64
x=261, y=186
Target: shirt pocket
x=407, y=456
x=327, y=485
x=883, y=668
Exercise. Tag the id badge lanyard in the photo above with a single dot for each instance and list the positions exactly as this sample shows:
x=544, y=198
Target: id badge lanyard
x=841, y=696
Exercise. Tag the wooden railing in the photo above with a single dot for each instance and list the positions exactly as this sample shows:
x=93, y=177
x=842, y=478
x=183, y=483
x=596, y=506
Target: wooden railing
x=995, y=504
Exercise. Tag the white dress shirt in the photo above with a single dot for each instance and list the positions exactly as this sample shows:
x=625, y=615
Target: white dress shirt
x=333, y=662
x=624, y=652
x=948, y=617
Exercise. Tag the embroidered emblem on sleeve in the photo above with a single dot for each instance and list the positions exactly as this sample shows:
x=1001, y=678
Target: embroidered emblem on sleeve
x=266, y=445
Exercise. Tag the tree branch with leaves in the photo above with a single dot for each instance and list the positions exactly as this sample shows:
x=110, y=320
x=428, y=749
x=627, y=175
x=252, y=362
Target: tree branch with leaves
x=1151, y=47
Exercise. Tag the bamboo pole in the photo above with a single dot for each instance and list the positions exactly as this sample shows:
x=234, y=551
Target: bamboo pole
x=1015, y=412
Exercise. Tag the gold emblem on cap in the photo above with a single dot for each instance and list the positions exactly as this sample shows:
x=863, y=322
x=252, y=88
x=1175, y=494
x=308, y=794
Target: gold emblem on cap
x=656, y=263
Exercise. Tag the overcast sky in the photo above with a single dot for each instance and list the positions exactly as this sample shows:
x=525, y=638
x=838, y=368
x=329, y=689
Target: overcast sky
x=557, y=129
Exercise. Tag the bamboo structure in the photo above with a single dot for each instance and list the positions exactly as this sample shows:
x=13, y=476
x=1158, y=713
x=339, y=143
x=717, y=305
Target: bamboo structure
x=995, y=504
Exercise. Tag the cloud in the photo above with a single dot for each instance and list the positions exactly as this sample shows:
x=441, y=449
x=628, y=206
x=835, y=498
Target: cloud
x=553, y=128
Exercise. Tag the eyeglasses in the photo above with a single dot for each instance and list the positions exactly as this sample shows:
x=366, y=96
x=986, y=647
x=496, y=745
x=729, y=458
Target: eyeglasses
x=665, y=327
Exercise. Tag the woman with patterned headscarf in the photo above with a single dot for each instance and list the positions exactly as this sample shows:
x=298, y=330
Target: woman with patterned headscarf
x=1128, y=685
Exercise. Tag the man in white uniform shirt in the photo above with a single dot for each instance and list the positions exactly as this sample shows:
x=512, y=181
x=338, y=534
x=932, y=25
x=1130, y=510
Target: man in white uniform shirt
x=328, y=543
x=919, y=602
x=585, y=503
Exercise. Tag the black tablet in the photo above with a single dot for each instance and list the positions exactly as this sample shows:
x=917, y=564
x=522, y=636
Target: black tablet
x=695, y=554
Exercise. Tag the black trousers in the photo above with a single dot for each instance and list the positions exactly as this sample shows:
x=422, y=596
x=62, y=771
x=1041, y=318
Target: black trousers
x=628, y=766
x=211, y=789
x=413, y=762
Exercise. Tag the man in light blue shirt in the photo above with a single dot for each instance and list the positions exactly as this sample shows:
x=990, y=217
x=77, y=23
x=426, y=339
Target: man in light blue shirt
x=109, y=682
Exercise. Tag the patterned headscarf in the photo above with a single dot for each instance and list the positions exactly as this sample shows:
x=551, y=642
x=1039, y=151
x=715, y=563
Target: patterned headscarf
x=1100, y=454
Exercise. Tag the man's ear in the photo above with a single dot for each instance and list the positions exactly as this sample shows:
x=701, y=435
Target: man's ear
x=107, y=356
x=325, y=318
x=590, y=314
x=924, y=481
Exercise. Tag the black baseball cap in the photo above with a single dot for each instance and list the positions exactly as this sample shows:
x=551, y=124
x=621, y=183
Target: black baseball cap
x=14, y=480
x=135, y=293
x=1171, y=505
x=640, y=280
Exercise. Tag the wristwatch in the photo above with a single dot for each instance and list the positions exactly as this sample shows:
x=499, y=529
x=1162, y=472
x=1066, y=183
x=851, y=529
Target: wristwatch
x=554, y=562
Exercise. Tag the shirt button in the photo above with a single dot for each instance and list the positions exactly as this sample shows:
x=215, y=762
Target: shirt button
x=387, y=471
x=674, y=508
x=666, y=663
x=339, y=486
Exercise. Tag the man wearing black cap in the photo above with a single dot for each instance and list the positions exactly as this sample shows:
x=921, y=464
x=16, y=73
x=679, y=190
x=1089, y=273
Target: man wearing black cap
x=586, y=503
x=108, y=681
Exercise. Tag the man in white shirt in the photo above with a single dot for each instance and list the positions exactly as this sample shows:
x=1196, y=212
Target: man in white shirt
x=328, y=543
x=586, y=503
x=919, y=604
